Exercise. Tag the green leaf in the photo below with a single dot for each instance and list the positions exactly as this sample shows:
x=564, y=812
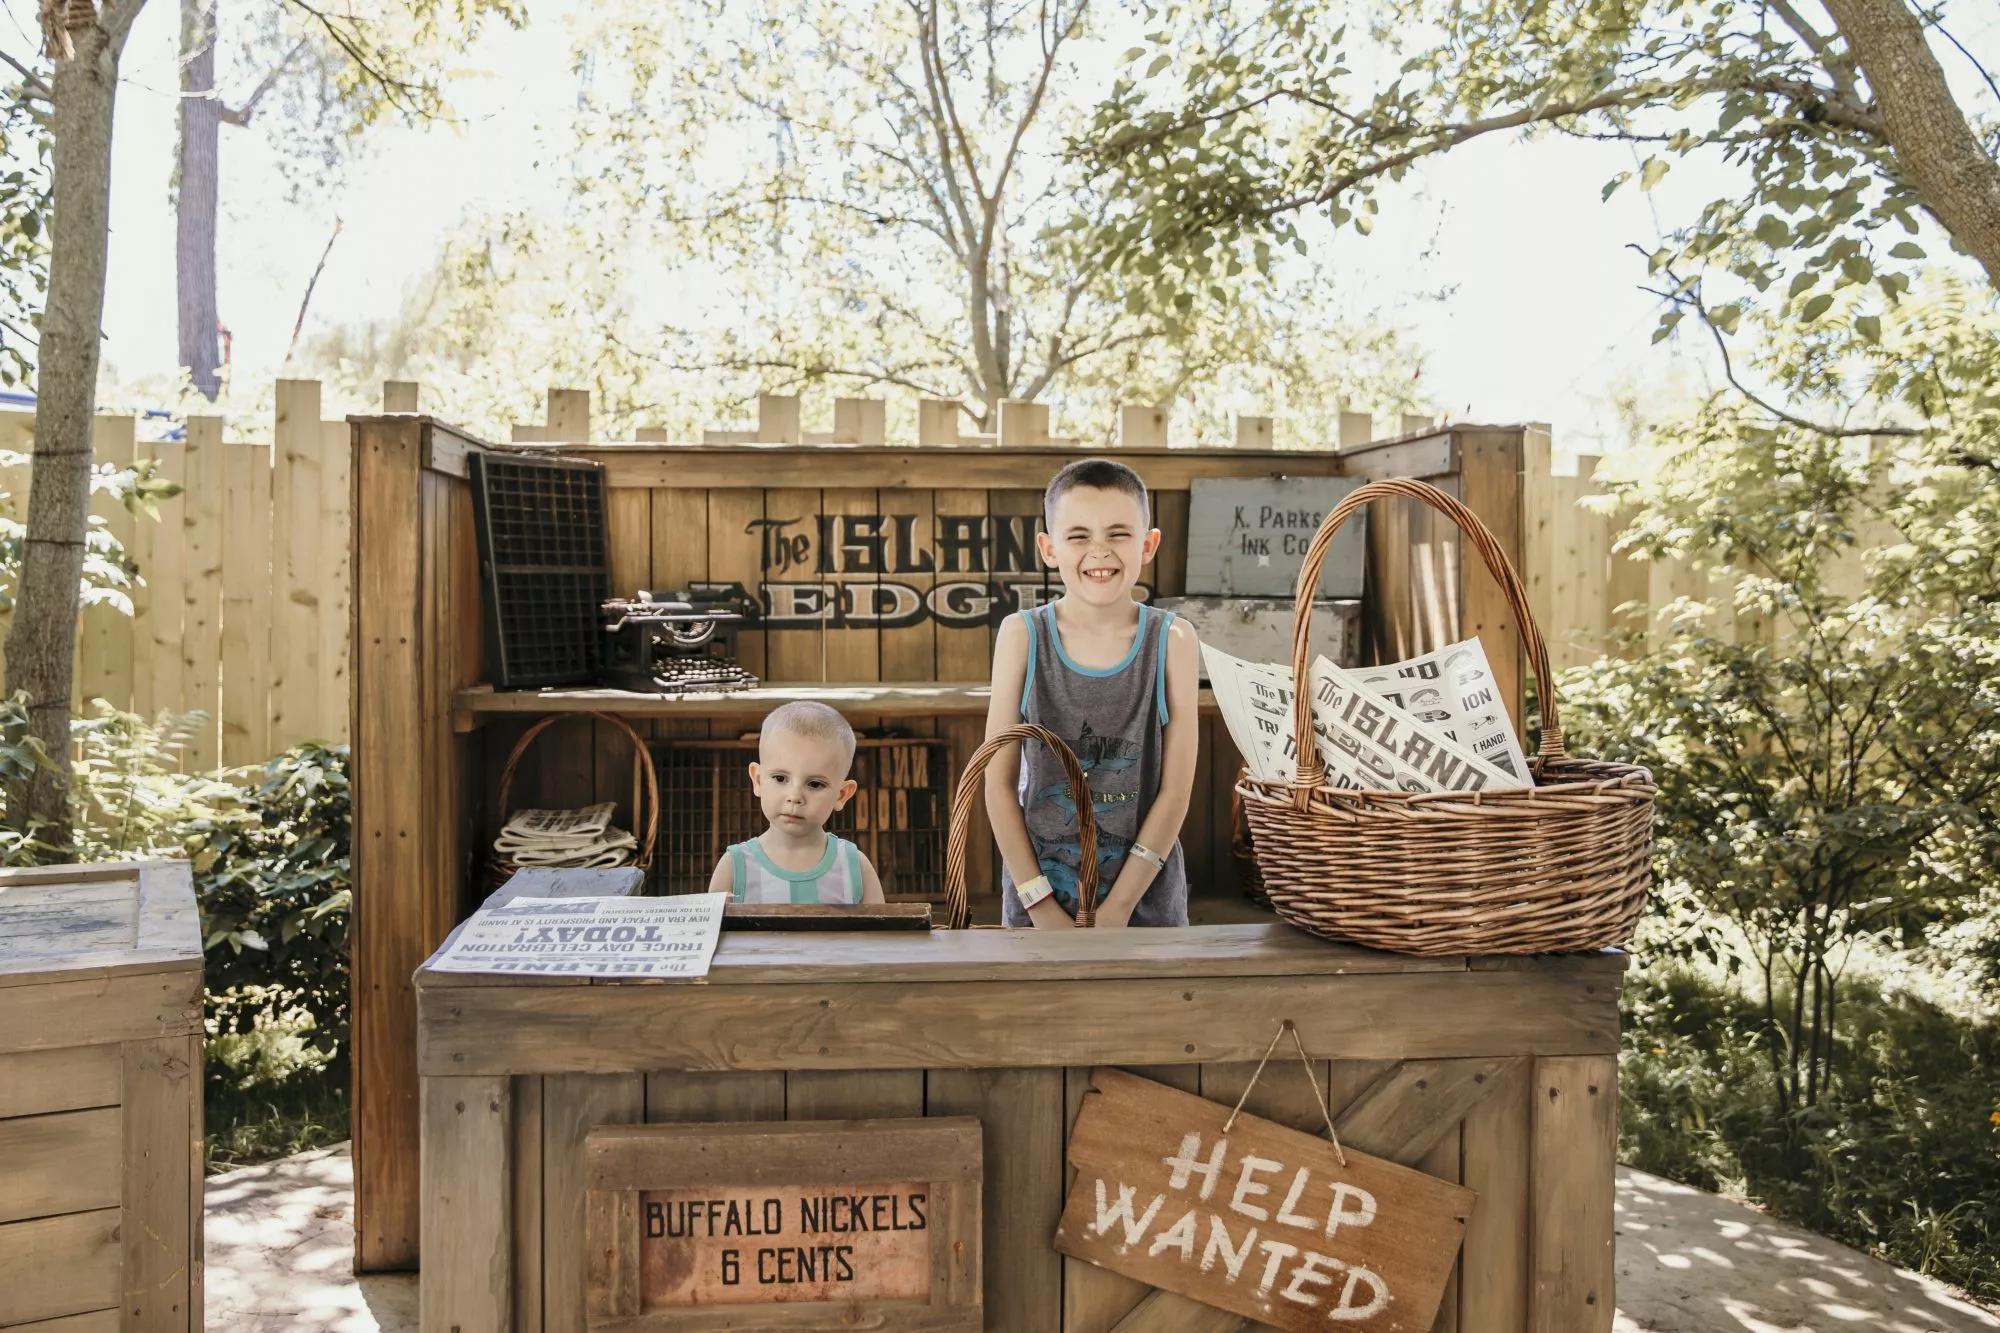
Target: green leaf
x=1611, y=186
x=1650, y=174
x=1869, y=327
x=1816, y=307
x=1160, y=62
x=1906, y=250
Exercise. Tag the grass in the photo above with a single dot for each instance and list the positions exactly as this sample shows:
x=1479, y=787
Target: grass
x=267, y=1121
x=1901, y=1157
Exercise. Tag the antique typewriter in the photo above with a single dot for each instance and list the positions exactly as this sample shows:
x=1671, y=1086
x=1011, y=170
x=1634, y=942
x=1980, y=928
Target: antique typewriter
x=674, y=643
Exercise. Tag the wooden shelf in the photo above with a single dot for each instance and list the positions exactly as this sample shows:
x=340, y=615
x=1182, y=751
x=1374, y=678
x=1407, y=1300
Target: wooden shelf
x=913, y=699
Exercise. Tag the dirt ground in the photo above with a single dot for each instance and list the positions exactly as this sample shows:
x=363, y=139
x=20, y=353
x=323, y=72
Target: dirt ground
x=281, y=1238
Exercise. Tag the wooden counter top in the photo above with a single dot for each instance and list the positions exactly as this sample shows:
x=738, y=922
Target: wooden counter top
x=1001, y=998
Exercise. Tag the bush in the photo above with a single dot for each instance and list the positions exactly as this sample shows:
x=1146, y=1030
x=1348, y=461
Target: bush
x=1902, y=1148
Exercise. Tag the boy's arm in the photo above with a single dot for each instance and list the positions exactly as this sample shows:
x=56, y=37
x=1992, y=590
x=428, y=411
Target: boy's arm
x=1003, y=775
x=1170, y=806
x=871, y=883
x=723, y=880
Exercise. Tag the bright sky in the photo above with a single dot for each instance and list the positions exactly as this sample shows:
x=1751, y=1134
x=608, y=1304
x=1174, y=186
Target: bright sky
x=1544, y=319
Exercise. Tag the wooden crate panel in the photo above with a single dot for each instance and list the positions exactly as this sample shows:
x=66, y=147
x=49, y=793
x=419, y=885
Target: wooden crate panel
x=97, y=1321
x=68, y=1079
x=58, y=1266
x=63, y=1163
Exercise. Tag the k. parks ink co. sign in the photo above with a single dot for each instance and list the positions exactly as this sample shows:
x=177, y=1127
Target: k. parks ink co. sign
x=891, y=570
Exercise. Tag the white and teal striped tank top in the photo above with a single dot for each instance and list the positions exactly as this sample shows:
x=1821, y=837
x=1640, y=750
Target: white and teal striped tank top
x=755, y=878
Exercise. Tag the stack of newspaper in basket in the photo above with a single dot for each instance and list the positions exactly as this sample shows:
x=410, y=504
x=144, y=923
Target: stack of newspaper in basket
x=581, y=839
x=1432, y=724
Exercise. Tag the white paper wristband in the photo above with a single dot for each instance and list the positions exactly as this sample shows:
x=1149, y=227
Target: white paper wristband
x=1034, y=891
x=1145, y=853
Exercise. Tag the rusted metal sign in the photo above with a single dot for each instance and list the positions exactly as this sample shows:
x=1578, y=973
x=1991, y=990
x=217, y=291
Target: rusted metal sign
x=816, y=1222
x=1257, y=1219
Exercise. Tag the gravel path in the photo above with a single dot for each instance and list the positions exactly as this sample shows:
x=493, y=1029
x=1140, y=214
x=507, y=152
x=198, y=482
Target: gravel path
x=281, y=1249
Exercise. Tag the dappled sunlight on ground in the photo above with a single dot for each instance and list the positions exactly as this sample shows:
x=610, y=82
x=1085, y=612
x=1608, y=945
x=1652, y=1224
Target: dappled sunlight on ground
x=280, y=1253
x=1689, y=1262
x=281, y=1258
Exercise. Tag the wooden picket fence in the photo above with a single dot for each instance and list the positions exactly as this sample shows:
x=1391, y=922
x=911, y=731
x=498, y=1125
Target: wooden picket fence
x=243, y=606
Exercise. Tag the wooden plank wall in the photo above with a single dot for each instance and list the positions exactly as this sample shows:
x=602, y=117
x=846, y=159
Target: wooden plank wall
x=419, y=642
x=241, y=605
x=1537, y=1254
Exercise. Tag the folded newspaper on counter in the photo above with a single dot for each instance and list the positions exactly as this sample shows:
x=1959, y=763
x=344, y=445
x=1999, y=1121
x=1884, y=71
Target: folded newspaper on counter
x=1379, y=734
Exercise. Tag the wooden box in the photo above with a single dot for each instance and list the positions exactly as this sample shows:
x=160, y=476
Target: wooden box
x=100, y=1099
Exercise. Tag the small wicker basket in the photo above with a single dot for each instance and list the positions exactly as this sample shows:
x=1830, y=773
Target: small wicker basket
x=645, y=787
x=1561, y=866
x=958, y=912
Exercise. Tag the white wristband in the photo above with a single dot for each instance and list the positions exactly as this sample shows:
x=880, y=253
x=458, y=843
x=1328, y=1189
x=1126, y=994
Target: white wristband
x=1034, y=891
x=1145, y=853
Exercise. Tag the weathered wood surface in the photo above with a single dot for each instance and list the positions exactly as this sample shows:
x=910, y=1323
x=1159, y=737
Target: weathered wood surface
x=63, y=922
x=70, y=1078
x=1193, y=1193
x=1570, y=1214
x=161, y=1220
x=1247, y=537
x=63, y=1163
x=95, y=1009
x=1244, y=950
x=55, y=1266
x=930, y=1025
x=467, y=1124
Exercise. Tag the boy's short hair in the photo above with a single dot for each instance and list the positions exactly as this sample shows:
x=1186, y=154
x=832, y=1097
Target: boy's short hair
x=805, y=718
x=1099, y=474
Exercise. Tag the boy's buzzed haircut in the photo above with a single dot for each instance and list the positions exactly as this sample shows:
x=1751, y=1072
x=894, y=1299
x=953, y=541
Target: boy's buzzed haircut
x=1099, y=474
x=805, y=718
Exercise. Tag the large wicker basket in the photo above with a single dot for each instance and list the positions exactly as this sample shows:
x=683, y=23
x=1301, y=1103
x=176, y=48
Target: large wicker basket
x=645, y=789
x=1561, y=866
x=958, y=912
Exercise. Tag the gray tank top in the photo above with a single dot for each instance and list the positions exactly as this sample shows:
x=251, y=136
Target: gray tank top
x=1115, y=718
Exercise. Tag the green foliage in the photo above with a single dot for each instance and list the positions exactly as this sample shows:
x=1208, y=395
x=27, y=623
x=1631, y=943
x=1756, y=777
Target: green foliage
x=871, y=199
x=1902, y=1151
x=1826, y=735
x=275, y=904
x=24, y=214
x=108, y=571
x=1250, y=115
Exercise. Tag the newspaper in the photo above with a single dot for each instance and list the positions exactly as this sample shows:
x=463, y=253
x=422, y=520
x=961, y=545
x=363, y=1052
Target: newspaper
x=1367, y=738
x=1452, y=690
x=589, y=937
x=1383, y=748
x=568, y=838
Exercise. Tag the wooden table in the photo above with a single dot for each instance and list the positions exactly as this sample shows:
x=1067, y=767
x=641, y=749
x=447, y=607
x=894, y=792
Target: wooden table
x=1497, y=1073
x=940, y=699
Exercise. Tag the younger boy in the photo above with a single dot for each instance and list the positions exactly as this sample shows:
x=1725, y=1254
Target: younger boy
x=804, y=752
x=1116, y=680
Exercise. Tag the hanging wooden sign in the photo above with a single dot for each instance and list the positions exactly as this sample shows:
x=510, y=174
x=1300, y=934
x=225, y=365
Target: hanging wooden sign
x=1259, y=1219
x=811, y=1220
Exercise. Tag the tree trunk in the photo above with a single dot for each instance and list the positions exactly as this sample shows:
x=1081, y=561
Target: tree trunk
x=198, y=197
x=41, y=645
x=1925, y=127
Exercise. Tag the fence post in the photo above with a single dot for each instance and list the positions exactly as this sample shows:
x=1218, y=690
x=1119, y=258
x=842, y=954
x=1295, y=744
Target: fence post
x=1142, y=427
x=105, y=635
x=1253, y=433
x=246, y=603
x=1022, y=423
x=937, y=420
x=777, y=418
x=1356, y=429
x=399, y=396
x=300, y=555
x=201, y=616
x=860, y=421
x=568, y=416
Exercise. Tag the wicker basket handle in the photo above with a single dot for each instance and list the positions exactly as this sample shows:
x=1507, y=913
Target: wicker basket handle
x=1310, y=770
x=645, y=781
x=971, y=790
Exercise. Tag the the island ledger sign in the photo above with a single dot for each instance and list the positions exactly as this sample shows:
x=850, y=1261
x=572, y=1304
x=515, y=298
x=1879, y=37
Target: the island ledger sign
x=1261, y=1220
x=805, y=1219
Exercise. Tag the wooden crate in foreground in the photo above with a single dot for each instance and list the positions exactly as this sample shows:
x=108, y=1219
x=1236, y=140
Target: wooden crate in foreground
x=100, y=1099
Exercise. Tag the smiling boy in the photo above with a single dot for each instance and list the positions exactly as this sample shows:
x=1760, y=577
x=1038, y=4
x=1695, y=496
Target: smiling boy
x=804, y=752
x=1117, y=681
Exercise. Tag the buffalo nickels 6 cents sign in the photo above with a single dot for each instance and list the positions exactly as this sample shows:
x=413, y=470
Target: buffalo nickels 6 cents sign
x=1260, y=1220
x=811, y=1220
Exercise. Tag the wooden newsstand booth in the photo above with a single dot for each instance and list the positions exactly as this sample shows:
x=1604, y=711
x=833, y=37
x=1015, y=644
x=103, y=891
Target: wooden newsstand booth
x=1496, y=1073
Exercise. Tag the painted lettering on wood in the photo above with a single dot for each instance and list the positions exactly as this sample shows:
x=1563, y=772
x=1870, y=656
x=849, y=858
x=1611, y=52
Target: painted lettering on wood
x=797, y=1243
x=1260, y=1220
x=821, y=1224
x=1247, y=536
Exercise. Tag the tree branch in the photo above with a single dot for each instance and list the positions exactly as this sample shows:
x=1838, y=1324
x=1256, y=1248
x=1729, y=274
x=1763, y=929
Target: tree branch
x=1924, y=125
x=32, y=83
x=240, y=115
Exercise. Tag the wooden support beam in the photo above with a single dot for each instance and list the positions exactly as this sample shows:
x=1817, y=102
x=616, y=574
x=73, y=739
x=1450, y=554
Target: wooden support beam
x=568, y=416
x=1022, y=422
x=1412, y=423
x=1356, y=428
x=399, y=396
x=937, y=420
x=777, y=418
x=1253, y=432
x=860, y=421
